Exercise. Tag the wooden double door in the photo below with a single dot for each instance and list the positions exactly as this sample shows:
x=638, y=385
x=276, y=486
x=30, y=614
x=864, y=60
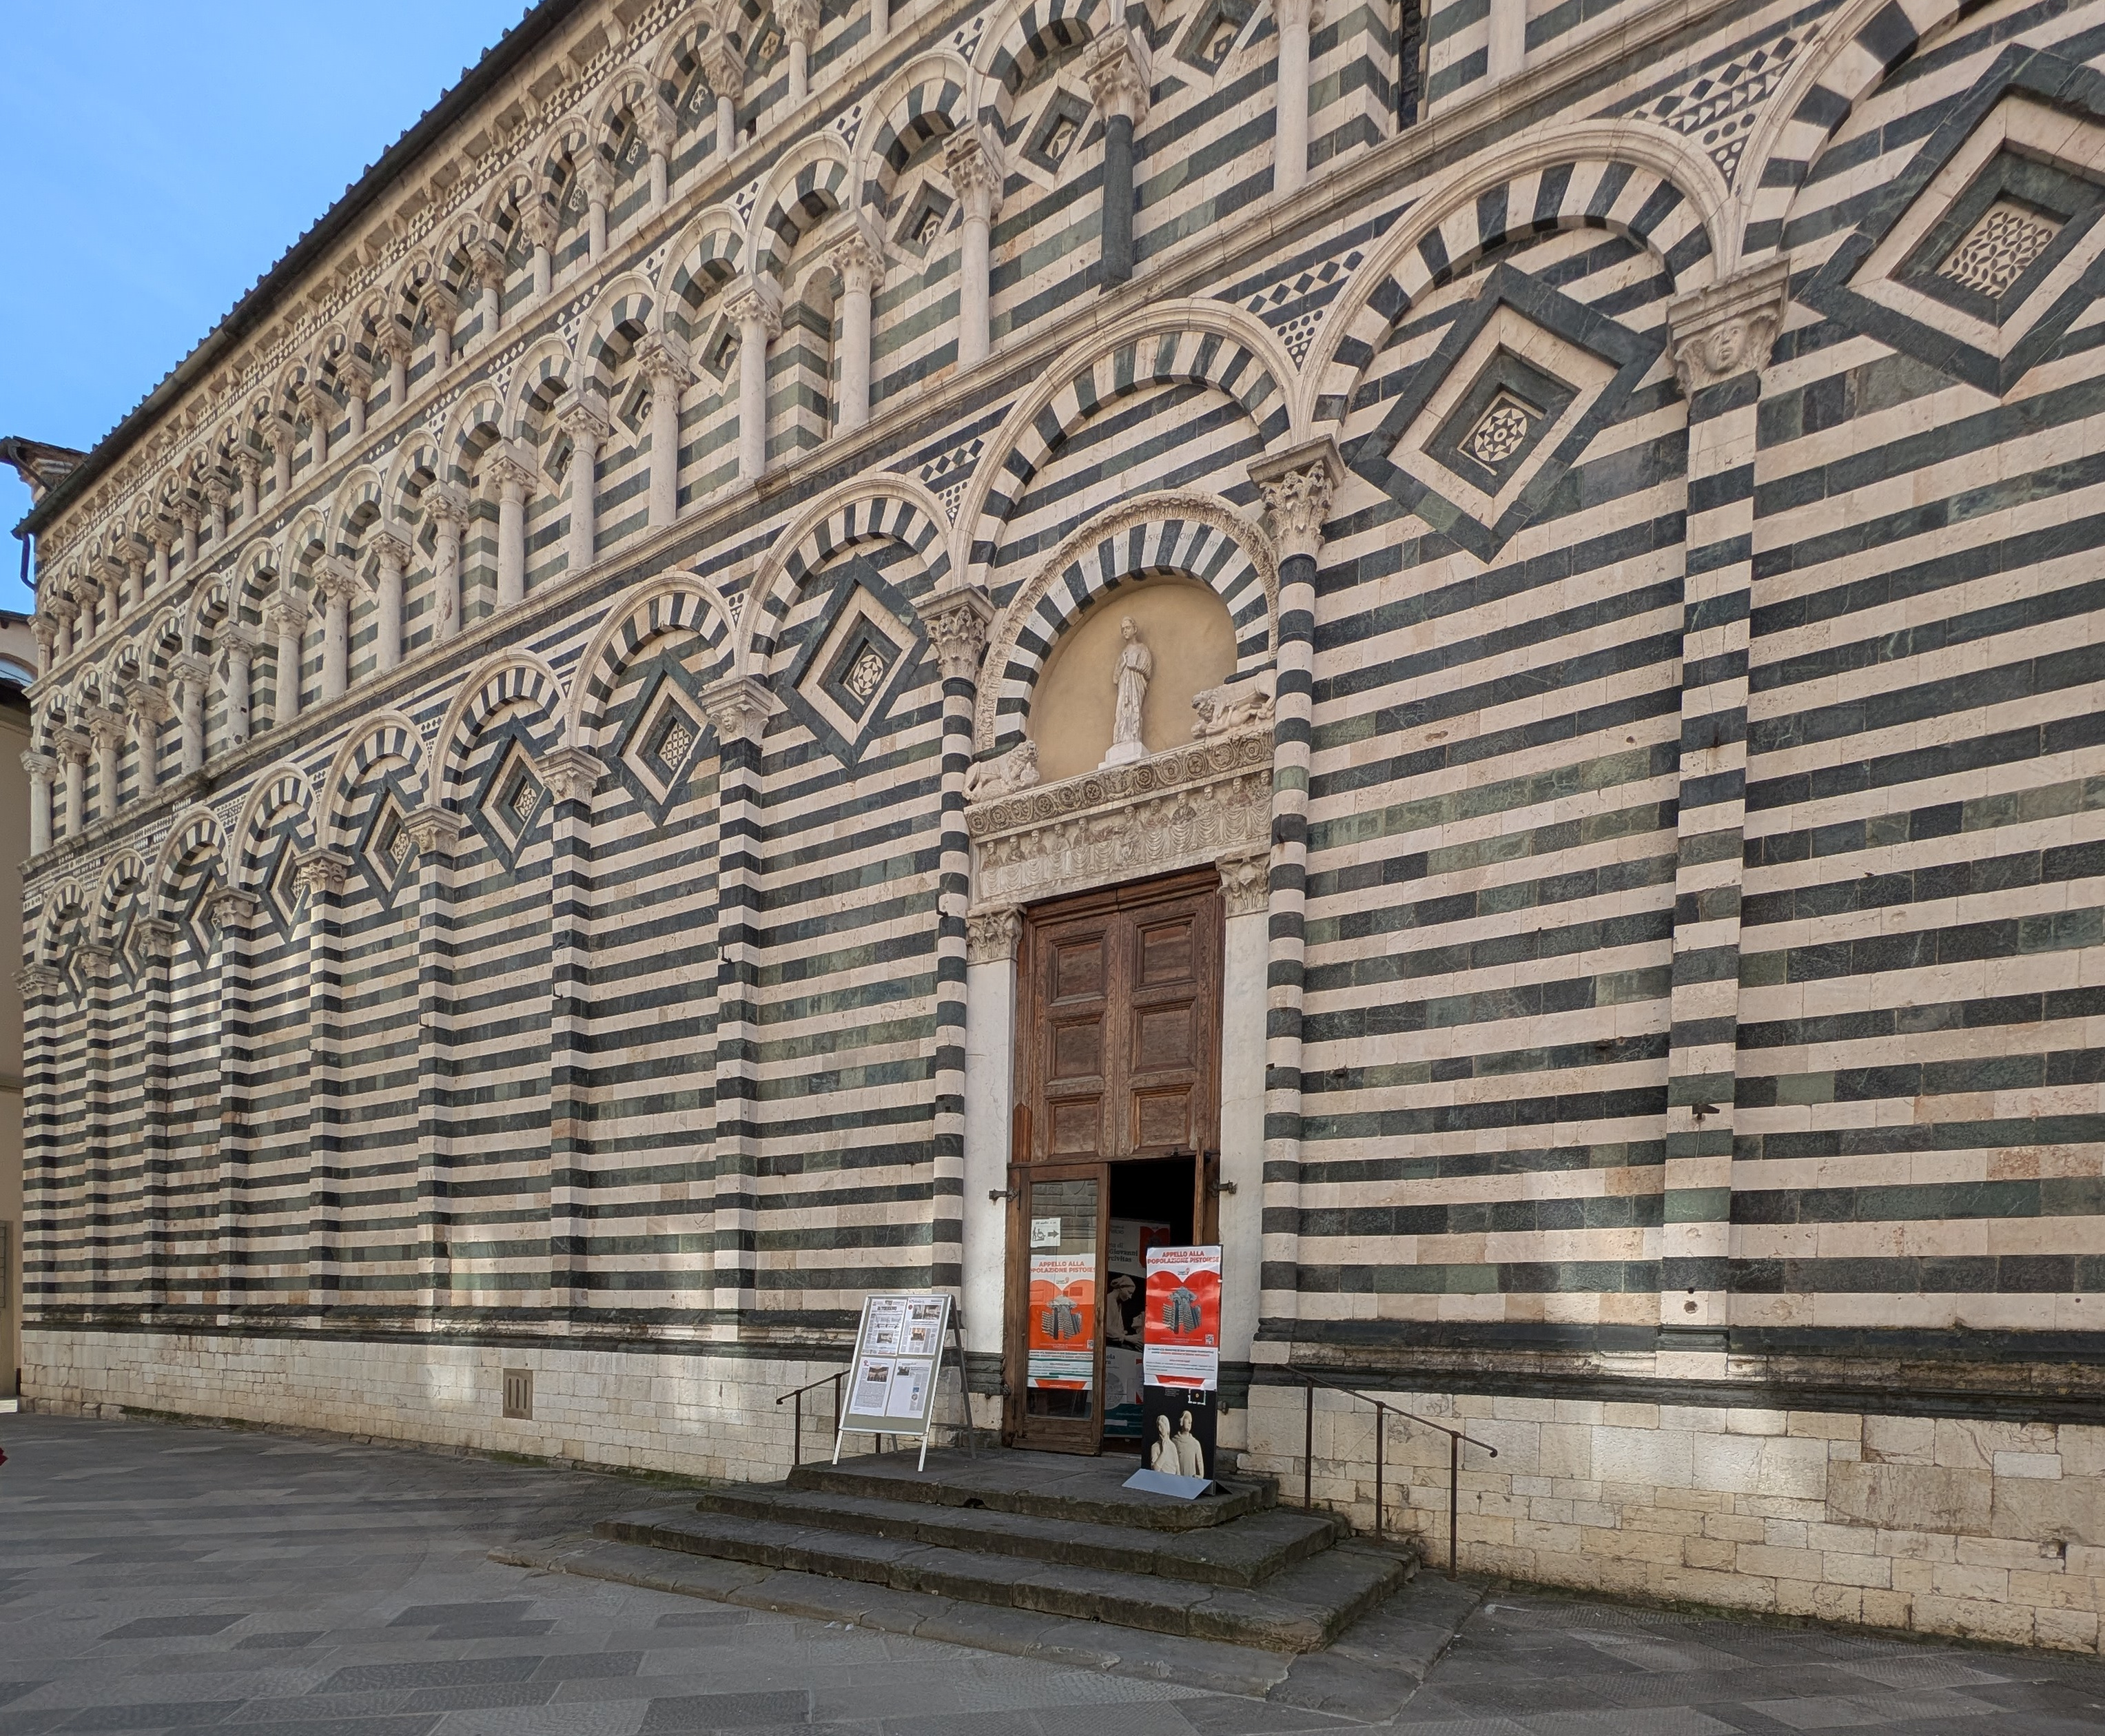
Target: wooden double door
x=1116, y=1137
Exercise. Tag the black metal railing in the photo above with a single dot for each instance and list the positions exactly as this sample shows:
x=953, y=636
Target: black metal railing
x=834, y=1380
x=1383, y=1411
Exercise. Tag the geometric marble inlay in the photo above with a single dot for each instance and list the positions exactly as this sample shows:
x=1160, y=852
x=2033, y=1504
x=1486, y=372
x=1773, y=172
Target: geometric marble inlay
x=2000, y=248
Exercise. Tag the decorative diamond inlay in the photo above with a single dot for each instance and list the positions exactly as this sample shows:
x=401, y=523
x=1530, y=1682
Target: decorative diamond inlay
x=1500, y=434
x=864, y=673
x=672, y=751
x=521, y=794
x=2000, y=248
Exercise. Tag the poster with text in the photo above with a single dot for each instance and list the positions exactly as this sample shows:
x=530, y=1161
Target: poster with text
x=1062, y=1347
x=1182, y=1346
x=899, y=1352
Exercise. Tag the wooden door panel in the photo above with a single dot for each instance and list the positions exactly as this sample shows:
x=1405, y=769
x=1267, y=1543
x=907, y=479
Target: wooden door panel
x=1077, y=1049
x=1079, y=970
x=1164, y=1037
x=1162, y=1120
x=1166, y=952
x=1075, y=1128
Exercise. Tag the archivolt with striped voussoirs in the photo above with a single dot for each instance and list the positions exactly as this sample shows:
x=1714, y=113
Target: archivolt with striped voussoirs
x=869, y=509
x=59, y=929
x=1021, y=36
x=924, y=102
x=810, y=185
x=125, y=877
x=1856, y=48
x=673, y=605
x=705, y=258
x=511, y=683
x=1179, y=344
x=388, y=739
x=279, y=799
x=1199, y=536
x=1647, y=185
x=622, y=315
x=194, y=836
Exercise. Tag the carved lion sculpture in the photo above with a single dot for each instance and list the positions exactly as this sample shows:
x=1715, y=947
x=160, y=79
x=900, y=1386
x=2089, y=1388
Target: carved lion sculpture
x=1235, y=704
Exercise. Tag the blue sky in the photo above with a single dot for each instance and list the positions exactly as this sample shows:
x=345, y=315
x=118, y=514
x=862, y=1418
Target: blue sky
x=159, y=158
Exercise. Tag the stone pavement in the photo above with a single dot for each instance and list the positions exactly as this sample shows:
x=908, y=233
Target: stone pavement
x=155, y=1577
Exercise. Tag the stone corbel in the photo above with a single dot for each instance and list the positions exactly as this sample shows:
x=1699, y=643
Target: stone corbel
x=158, y=936
x=739, y=707
x=1728, y=329
x=957, y=623
x=434, y=829
x=992, y=935
x=1245, y=881
x=323, y=870
x=228, y=910
x=571, y=774
x=1297, y=486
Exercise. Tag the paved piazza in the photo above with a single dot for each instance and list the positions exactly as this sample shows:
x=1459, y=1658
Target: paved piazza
x=155, y=1577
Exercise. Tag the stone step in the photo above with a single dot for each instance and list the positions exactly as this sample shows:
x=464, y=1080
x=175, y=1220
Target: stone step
x=1246, y=1552
x=1297, y=1609
x=1046, y=1485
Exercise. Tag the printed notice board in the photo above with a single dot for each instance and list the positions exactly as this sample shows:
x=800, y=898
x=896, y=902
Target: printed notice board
x=898, y=1355
x=1181, y=1341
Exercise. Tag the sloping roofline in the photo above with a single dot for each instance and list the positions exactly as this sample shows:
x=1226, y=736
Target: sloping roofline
x=476, y=82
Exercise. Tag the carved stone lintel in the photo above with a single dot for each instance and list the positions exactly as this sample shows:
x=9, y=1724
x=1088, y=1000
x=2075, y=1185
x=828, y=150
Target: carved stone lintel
x=434, y=829
x=1297, y=485
x=1246, y=882
x=992, y=935
x=324, y=870
x=740, y=707
x=1727, y=329
x=974, y=176
x=571, y=774
x=957, y=623
x=1118, y=74
x=1179, y=809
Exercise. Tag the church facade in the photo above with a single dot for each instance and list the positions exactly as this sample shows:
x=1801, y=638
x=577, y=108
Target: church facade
x=858, y=648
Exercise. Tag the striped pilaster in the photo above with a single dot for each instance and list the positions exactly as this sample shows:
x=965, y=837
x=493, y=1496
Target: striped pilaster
x=159, y=936
x=436, y=830
x=322, y=873
x=738, y=708
x=98, y=1250
x=231, y=913
x=957, y=623
x=44, y=1132
x=572, y=775
x=1721, y=339
x=1297, y=486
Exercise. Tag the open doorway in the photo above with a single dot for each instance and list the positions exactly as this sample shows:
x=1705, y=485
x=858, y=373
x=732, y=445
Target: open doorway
x=1152, y=1205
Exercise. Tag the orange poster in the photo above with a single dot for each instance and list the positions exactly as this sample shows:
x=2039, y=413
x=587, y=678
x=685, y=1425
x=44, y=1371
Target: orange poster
x=1181, y=1345
x=1062, y=1348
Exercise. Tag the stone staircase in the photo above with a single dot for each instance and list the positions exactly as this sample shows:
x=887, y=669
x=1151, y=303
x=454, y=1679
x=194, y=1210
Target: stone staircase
x=1042, y=1533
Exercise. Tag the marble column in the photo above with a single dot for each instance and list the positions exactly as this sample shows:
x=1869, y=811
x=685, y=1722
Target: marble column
x=583, y=416
x=355, y=374
x=756, y=305
x=322, y=874
x=515, y=477
x=337, y=581
x=391, y=555
x=106, y=729
x=723, y=66
x=282, y=438
x=975, y=178
x=1297, y=486
x=442, y=308
x=991, y=937
x=450, y=513
x=1506, y=46
x=286, y=613
x=43, y=768
x=193, y=676
x=318, y=407
x=398, y=371
x=150, y=710
x=860, y=264
x=242, y=643
x=1719, y=338
x=663, y=358
x=215, y=497
x=1118, y=76
x=73, y=745
x=660, y=129
x=250, y=469
x=1290, y=160
x=233, y=915
x=800, y=24
x=595, y=180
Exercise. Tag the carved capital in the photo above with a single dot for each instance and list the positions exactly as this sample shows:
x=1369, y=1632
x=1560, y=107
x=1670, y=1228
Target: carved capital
x=105, y=728
x=190, y=667
x=800, y=19
x=287, y=612
x=315, y=402
x=448, y=503
x=663, y=357
x=756, y=301
x=237, y=639
x=974, y=174
x=659, y=126
x=323, y=871
x=957, y=623
x=509, y=468
x=73, y=743
x=991, y=936
x=1117, y=73
x=571, y=774
x=157, y=936
x=1727, y=329
x=1245, y=881
x=583, y=415
x=355, y=372
x=40, y=765
x=434, y=829
x=595, y=179
x=1297, y=485
x=859, y=263
x=281, y=436
x=335, y=577
x=391, y=547
x=723, y=64
x=740, y=707
x=39, y=979
x=148, y=704
x=229, y=909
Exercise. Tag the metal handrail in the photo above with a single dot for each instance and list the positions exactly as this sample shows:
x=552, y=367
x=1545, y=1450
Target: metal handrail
x=797, y=1452
x=1310, y=1380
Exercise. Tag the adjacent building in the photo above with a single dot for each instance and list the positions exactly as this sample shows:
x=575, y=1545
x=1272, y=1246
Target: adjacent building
x=875, y=646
